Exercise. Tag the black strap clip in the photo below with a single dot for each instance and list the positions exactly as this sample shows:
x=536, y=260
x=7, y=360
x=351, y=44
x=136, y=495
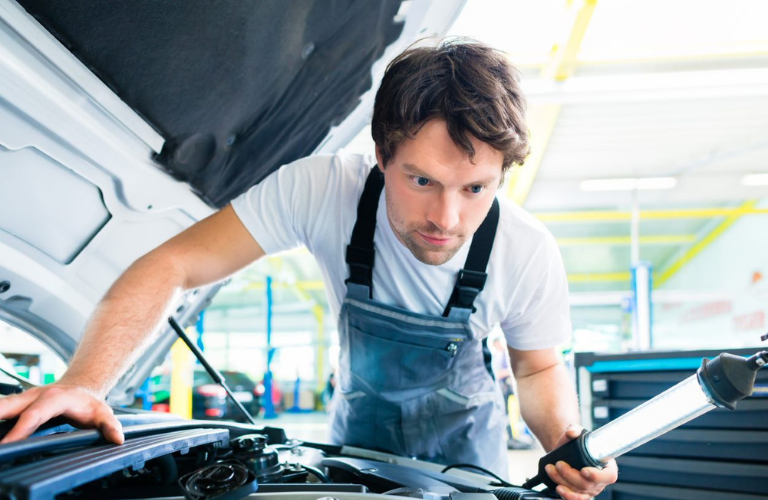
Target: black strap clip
x=360, y=262
x=468, y=285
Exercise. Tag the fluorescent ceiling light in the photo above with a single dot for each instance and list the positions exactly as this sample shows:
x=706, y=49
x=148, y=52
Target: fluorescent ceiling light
x=629, y=184
x=755, y=180
x=656, y=183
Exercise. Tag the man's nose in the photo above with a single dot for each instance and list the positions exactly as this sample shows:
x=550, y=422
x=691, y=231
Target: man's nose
x=444, y=212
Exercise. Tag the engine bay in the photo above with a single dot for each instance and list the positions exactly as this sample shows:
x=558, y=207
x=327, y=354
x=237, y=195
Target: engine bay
x=166, y=458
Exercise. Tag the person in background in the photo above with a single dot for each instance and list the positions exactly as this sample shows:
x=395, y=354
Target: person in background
x=502, y=370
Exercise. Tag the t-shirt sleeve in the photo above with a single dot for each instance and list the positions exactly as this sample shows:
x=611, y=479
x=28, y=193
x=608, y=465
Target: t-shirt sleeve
x=541, y=317
x=288, y=208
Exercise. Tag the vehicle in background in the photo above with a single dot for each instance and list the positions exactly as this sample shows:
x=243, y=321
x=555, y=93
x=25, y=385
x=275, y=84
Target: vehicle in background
x=209, y=399
x=245, y=390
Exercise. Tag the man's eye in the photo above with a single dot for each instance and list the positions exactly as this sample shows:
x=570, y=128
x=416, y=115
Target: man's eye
x=422, y=181
x=476, y=189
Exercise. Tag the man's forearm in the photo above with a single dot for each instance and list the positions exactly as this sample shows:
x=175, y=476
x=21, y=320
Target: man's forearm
x=125, y=323
x=548, y=403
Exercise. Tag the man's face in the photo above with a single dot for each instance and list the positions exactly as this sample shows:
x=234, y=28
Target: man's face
x=437, y=197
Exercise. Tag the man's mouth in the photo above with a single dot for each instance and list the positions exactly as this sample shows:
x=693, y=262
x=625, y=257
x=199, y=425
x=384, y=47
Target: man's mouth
x=433, y=240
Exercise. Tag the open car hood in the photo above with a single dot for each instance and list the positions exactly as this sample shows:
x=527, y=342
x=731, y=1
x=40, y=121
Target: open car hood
x=122, y=123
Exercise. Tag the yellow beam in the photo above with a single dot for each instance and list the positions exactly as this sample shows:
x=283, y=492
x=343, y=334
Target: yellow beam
x=304, y=286
x=541, y=122
x=611, y=216
x=543, y=118
x=310, y=285
x=564, y=59
x=627, y=240
x=707, y=240
x=599, y=277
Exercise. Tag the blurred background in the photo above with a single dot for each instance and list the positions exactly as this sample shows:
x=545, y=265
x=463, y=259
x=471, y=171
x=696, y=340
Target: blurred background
x=649, y=164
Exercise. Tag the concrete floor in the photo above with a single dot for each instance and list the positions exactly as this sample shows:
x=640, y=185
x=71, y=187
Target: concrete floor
x=314, y=427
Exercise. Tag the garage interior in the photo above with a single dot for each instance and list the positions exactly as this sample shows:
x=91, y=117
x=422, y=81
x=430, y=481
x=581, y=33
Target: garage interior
x=649, y=165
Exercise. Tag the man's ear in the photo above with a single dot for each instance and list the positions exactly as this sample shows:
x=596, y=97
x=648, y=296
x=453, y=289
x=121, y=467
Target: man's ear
x=378, y=158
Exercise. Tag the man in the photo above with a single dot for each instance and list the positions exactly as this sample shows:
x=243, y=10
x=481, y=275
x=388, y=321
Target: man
x=418, y=275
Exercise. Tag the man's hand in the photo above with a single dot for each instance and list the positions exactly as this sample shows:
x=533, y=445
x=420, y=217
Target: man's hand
x=77, y=405
x=580, y=484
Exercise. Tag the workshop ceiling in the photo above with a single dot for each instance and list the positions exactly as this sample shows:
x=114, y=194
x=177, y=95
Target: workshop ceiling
x=635, y=89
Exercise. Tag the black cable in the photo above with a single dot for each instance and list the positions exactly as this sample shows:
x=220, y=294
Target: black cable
x=532, y=482
x=317, y=473
x=477, y=467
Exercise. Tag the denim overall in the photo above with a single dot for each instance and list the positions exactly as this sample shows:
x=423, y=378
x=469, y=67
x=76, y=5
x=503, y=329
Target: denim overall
x=414, y=384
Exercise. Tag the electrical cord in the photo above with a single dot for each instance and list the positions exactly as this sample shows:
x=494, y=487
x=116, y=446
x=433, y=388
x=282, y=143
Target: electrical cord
x=478, y=468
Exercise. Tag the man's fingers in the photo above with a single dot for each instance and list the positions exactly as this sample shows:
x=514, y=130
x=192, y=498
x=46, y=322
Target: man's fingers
x=608, y=475
x=34, y=416
x=573, y=431
x=10, y=406
x=109, y=425
x=39, y=405
x=581, y=484
x=572, y=477
x=555, y=475
x=569, y=494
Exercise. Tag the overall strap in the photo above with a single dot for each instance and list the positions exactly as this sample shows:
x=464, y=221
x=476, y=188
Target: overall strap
x=360, y=254
x=472, y=277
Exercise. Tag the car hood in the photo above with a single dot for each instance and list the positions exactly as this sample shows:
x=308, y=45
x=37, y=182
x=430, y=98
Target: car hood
x=122, y=123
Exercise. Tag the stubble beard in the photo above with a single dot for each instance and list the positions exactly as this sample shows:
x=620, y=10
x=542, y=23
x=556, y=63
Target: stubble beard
x=408, y=237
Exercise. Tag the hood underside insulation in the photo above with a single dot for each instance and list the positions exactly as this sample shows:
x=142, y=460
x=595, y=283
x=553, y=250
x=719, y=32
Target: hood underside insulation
x=237, y=88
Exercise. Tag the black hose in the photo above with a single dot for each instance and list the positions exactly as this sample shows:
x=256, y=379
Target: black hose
x=521, y=494
x=534, y=481
x=317, y=473
x=478, y=468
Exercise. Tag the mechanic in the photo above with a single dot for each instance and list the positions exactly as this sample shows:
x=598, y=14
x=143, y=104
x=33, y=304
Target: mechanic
x=419, y=275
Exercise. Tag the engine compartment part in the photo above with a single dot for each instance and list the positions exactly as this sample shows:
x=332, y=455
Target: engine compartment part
x=200, y=460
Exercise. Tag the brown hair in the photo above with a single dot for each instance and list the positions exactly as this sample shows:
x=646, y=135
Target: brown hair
x=471, y=86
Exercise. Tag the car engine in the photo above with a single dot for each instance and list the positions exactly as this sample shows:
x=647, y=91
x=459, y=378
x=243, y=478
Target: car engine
x=166, y=458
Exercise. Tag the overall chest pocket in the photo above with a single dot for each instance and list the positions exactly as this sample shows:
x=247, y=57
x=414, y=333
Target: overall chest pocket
x=389, y=357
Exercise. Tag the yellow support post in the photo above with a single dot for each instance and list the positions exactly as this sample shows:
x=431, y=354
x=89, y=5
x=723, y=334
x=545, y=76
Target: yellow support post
x=320, y=354
x=181, y=380
x=705, y=241
x=543, y=118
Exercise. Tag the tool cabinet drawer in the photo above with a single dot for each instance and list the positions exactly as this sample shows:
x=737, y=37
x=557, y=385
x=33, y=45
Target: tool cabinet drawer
x=630, y=491
x=701, y=474
x=708, y=444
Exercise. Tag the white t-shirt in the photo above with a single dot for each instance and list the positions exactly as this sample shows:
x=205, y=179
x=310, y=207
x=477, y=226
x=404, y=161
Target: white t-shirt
x=313, y=202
